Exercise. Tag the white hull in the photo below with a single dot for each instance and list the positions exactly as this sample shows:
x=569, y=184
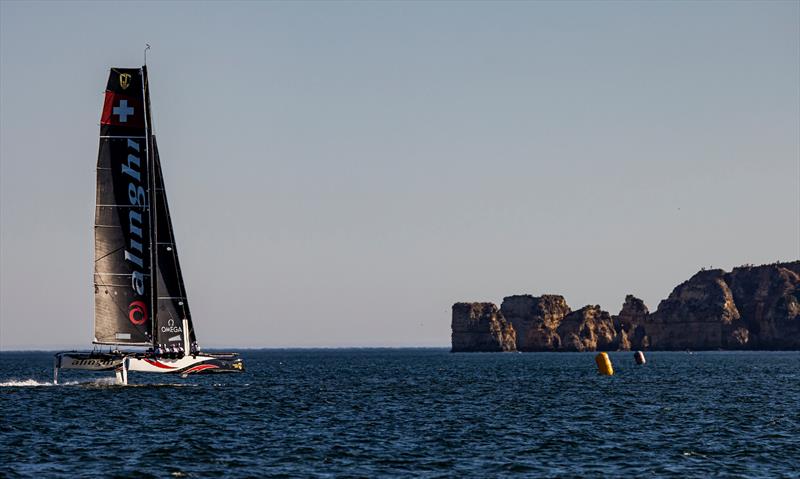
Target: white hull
x=122, y=363
x=184, y=365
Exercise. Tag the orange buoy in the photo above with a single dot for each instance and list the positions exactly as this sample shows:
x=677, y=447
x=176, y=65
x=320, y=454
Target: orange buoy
x=639, y=357
x=604, y=364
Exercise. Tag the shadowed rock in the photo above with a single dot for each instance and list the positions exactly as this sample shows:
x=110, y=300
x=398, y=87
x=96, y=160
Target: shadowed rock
x=535, y=319
x=768, y=300
x=481, y=327
x=699, y=314
x=752, y=307
x=588, y=329
x=630, y=324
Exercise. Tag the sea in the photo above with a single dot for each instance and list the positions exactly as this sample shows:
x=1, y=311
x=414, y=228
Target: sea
x=409, y=413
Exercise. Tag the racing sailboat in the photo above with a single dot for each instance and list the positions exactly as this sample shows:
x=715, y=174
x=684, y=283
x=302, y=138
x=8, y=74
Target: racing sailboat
x=139, y=294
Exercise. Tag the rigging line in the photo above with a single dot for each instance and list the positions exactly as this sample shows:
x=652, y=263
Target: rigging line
x=107, y=254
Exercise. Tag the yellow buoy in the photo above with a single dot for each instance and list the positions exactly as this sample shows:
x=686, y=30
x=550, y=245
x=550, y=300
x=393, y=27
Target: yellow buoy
x=639, y=357
x=604, y=364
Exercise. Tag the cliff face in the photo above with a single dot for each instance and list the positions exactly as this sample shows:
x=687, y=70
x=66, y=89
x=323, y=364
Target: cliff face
x=699, y=314
x=546, y=323
x=752, y=307
x=629, y=324
x=768, y=300
x=588, y=329
x=481, y=327
x=535, y=319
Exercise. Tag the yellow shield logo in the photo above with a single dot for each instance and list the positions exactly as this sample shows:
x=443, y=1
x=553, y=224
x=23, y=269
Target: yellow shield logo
x=124, y=80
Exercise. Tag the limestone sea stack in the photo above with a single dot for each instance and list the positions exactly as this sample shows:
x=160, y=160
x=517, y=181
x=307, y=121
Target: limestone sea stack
x=629, y=324
x=751, y=307
x=480, y=327
x=588, y=329
x=535, y=320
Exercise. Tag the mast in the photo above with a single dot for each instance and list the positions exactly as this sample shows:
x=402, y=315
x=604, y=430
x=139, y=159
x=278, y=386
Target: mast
x=148, y=124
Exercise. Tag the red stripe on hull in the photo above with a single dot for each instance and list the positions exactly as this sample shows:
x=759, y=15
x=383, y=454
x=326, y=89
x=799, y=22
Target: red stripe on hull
x=158, y=364
x=201, y=367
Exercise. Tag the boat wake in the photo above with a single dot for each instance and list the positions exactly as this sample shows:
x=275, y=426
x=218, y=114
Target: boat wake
x=95, y=383
x=23, y=383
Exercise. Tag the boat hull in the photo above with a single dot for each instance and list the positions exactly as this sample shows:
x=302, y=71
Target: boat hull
x=123, y=362
x=88, y=361
x=192, y=364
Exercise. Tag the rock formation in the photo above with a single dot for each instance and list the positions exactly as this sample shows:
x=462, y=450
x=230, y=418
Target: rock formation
x=768, y=300
x=481, y=327
x=588, y=329
x=699, y=314
x=752, y=307
x=535, y=319
x=629, y=324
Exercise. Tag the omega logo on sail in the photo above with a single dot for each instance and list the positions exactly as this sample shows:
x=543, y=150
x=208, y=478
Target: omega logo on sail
x=137, y=310
x=170, y=327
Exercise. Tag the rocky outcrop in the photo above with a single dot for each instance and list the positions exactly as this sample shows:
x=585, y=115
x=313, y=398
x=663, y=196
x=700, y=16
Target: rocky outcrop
x=535, y=319
x=481, y=327
x=546, y=323
x=768, y=301
x=752, y=307
x=587, y=329
x=699, y=314
x=629, y=324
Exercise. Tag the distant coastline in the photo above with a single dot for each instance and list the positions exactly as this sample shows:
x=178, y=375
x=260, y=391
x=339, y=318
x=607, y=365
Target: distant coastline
x=749, y=308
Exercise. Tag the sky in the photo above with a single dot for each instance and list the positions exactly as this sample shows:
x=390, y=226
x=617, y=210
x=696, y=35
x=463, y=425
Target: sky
x=340, y=173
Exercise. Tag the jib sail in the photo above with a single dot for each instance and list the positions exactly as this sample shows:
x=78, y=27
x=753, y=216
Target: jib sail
x=172, y=305
x=123, y=289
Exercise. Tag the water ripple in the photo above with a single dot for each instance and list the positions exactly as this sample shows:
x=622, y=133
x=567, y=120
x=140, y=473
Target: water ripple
x=410, y=413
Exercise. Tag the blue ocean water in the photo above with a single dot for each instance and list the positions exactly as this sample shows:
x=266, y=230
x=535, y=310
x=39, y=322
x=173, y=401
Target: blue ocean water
x=410, y=413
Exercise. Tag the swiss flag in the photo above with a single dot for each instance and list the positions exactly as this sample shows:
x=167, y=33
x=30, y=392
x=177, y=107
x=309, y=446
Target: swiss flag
x=122, y=110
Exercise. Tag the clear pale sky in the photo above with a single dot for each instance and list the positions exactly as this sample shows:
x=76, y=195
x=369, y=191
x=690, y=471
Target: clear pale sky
x=341, y=173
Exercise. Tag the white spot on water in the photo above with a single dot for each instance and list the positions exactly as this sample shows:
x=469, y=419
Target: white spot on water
x=16, y=383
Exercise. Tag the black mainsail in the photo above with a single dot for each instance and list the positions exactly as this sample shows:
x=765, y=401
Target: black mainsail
x=133, y=228
x=123, y=289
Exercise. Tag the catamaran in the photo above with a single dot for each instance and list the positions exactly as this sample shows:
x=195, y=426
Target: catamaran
x=139, y=294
